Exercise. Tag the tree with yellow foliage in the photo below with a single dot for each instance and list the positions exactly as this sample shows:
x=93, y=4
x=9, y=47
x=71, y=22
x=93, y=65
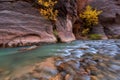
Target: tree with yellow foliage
x=90, y=17
x=47, y=9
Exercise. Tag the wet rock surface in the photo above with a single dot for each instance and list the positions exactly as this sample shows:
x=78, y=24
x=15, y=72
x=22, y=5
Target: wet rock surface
x=88, y=60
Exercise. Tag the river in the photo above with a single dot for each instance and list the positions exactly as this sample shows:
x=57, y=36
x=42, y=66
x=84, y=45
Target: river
x=12, y=59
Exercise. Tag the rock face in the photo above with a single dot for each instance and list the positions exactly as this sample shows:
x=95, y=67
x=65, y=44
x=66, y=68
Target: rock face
x=110, y=18
x=21, y=23
x=68, y=24
x=68, y=14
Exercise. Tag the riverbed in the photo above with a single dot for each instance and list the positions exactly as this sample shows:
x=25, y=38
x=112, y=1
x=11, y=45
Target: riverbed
x=12, y=59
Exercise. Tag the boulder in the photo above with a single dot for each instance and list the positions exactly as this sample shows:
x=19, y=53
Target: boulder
x=64, y=28
x=100, y=31
x=67, y=24
x=110, y=17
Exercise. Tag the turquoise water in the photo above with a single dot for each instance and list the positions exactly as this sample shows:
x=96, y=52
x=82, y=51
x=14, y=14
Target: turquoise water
x=11, y=58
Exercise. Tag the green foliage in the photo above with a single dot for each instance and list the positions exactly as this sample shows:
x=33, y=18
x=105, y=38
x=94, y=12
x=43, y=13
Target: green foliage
x=55, y=32
x=85, y=31
x=47, y=9
x=95, y=36
x=90, y=17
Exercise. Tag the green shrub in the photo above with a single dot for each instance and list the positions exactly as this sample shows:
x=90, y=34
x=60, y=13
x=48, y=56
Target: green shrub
x=95, y=36
x=85, y=31
x=55, y=32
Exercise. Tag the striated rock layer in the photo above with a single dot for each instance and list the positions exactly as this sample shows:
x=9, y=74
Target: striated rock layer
x=21, y=23
x=109, y=19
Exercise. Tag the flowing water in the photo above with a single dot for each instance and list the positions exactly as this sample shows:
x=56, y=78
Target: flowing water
x=12, y=59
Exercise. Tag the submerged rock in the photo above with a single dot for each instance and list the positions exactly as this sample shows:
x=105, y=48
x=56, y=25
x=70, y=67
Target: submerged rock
x=28, y=49
x=85, y=69
x=88, y=66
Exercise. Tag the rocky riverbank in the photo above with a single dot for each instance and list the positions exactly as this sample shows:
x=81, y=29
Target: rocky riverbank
x=22, y=25
x=88, y=60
